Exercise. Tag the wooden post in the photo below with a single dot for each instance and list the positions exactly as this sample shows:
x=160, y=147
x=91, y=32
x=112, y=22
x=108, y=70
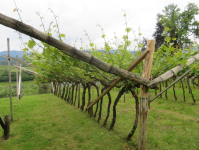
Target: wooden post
x=19, y=90
x=144, y=97
x=7, y=127
x=21, y=82
x=90, y=110
x=160, y=90
x=52, y=87
x=10, y=86
x=17, y=79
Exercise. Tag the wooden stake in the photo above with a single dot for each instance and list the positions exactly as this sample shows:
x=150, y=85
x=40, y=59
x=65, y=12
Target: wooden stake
x=10, y=87
x=21, y=82
x=17, y=79
x=52, y=87
x=144, y=96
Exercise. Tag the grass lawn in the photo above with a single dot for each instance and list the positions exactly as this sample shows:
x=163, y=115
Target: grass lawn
x=14, y=83
x=48, y=122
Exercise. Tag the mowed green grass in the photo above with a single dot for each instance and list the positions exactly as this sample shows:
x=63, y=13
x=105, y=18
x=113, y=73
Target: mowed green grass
x=14, y=83
x=48, y=122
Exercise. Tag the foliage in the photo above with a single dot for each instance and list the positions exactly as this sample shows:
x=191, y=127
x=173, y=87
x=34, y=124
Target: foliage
x=178, y=25
x=55, y=66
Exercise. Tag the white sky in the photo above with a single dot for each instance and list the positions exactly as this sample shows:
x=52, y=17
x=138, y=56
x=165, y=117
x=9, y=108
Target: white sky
x=75, y=16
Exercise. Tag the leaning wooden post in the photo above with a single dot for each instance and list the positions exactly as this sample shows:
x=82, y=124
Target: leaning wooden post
x=17, y=79
x=10, y=87
x=144, y=96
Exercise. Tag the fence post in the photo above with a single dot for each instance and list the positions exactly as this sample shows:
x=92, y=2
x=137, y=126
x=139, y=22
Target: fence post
x=52, y=87
x=144, y=97
x=17, y=78
x=21, y=82
x=10, y=87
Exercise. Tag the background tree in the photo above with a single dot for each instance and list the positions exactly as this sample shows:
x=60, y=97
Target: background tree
x=177, y=25
x=159, y=38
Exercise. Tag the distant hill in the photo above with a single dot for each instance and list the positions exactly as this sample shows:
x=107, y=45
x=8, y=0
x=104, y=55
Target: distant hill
x=13, y=53
x=4, y=61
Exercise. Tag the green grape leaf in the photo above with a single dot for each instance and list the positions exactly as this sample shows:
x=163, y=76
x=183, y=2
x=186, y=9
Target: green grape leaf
x=31, y=44
x=62, y=35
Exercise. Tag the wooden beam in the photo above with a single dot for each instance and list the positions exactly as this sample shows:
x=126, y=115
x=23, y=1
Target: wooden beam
x=144, y=96
x=171, y=84
x=130, y=68
x=20, y=61
x=10, y=86
x=17, y=78
x=27, y=70
x=172, y=72
x=69, y=50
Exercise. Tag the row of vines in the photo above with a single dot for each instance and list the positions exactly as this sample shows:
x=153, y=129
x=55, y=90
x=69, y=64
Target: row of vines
x=55, y=66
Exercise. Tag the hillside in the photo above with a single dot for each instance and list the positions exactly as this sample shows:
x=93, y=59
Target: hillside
x=13, y=53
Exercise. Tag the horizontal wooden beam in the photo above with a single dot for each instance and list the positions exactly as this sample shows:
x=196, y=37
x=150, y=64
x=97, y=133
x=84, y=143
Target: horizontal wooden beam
x=30, y=71
x=172, y=72
x=20, y=61
x=69, y=50
x=130, y=68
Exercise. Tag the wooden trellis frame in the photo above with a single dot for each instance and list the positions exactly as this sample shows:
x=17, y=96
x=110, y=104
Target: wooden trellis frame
x=77, y=54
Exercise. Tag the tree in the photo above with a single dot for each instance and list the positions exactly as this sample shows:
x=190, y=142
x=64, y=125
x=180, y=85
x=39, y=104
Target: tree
x=159, y=38
x=177, y=25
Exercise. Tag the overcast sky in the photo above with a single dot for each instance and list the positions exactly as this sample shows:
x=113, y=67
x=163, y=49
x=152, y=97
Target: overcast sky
x=75, y=16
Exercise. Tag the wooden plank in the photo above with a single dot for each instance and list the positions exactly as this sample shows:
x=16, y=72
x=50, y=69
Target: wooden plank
x=144, y=96
x=18, y=93
x=10, y=86
x=17, y=79
x=20, y=83
x=20, y=61
x=130, y=68
x=27, y=70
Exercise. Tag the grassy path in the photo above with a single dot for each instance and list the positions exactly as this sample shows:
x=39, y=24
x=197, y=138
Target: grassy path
x=47, y=122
